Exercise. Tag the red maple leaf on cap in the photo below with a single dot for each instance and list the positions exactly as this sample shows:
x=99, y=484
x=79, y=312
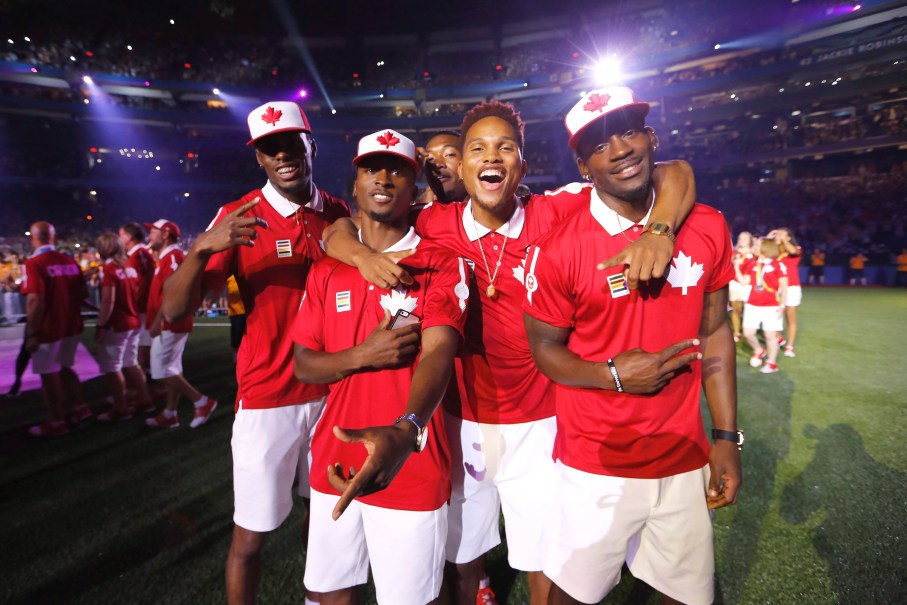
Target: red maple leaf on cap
x=388, y=139
x=597, y=102
x=271, y=116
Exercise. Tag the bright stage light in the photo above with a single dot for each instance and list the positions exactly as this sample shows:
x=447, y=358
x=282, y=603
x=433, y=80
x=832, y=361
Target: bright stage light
x=87, y=80
x=303, y=93
x=607, y=71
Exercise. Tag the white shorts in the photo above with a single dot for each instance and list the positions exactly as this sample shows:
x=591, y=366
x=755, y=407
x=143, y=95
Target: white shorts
x=167, y=354
x=118, y=350
x=794, y=296
x=662, y=528
x=737, y=292
x=271, y=449
x=51, y=356
x=404, y=547
x=144, y=334
x=495, y=466
x=770, y=319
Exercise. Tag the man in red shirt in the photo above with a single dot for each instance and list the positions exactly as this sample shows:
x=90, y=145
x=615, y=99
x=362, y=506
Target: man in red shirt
x=633, y=470
x=267, y=240
x=499, y=420
x=378, y=374
x=140, y=258
x=169, y=338
x=55, y=291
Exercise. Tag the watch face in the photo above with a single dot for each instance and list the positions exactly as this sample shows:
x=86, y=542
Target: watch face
x=421, y=439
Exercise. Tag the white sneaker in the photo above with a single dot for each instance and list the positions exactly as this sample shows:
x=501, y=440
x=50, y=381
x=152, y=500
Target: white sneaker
x=789, y=351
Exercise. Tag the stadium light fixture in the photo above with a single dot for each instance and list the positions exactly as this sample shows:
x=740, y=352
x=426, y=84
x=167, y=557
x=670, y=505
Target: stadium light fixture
x=303, y=93
x=87, y=80
x=216, y=91
x=607, y=71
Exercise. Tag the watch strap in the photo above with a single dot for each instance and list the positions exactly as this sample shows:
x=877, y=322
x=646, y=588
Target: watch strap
x=732, y=436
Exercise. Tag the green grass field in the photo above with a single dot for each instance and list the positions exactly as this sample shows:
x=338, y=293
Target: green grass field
x=125, y=514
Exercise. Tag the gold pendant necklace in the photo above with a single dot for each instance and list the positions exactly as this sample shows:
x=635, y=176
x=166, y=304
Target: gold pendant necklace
x=491, y=291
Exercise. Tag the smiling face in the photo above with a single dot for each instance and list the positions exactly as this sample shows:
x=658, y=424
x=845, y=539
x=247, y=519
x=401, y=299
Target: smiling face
x=618, y=152
x=287, y=160
x=385, y=187
x=444, y=150
x=492, y=165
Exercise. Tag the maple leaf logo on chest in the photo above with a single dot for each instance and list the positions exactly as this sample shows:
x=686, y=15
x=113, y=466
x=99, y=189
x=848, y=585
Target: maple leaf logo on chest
x=396, y=300
x=684, y=273
x=388, y=139
x=271, y=116
x=597, y=102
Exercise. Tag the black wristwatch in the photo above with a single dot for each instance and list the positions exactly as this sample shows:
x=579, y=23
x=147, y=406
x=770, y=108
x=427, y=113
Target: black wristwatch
x=734, y=436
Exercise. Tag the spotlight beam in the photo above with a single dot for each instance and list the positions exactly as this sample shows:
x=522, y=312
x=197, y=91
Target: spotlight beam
x=289, y=21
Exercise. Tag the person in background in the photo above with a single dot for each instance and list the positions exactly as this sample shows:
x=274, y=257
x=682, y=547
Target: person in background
x=817, y=267
x=55, y=292
x=767, y=278
x=737, y=292
x=440, y=159
x=142, y=261
x=900, y=279
x=118, y=330
x=857, y=264
x=169, y=338
x=791, y=253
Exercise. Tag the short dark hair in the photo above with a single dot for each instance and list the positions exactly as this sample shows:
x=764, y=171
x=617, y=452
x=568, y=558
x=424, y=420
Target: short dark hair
x=493, y=109
x=135, y=231
x=452, y=133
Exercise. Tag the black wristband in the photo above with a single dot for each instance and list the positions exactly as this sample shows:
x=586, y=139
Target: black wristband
x=732, y=436
x=617, y=385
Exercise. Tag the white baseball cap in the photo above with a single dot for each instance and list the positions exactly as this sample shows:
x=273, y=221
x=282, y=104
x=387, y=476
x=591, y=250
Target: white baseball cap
x=276, y=116
x=598, y=104
x=164, y=225
x=387, y=141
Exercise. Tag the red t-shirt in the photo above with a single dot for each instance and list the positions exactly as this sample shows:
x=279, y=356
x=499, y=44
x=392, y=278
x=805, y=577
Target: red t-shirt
x=123, y=281
x=141, y=259
x=271, y=277
x=170, y=259
x=497, y=381
x=339, y=311
x=792, y=264
x=57, y=279
x=620, y=434
x=764, y=275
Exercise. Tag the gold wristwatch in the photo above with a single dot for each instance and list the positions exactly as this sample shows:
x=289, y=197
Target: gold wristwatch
x=659, y=229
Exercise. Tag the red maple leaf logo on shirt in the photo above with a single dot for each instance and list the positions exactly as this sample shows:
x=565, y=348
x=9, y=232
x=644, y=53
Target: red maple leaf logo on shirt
x=388, y=139
x=271, y=116
x=597, y=102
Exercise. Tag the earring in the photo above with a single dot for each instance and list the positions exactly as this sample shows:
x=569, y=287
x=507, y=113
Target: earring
x=588, y=177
